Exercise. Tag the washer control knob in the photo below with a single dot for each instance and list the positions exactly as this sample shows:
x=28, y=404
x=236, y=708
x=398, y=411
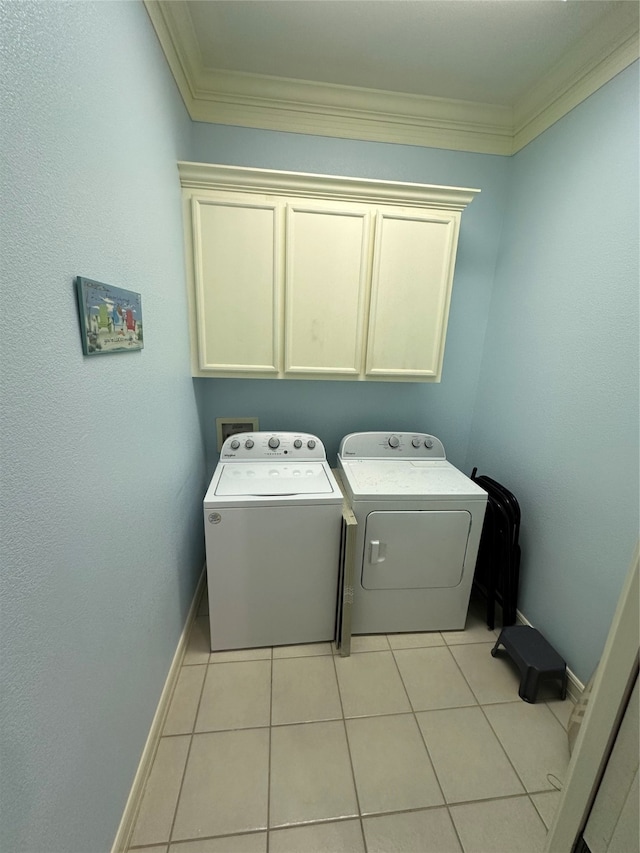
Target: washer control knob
x=311, y=444
x=394, y=441
x=428, y=442
x=249, y=443
x=416, y=442
x=297, y=444
x=274, y=442
x=235, y=444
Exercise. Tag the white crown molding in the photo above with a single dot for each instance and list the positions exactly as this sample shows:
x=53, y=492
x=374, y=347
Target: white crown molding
x=242, y=179
x=298, y=106
x=604, y=52
x=347, y=112
x=174, y=29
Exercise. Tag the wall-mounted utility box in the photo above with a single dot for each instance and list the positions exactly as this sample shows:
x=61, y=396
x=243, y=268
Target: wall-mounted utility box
x=231, y=426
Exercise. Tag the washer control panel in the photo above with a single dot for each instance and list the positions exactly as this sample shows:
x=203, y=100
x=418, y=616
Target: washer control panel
x=250, y=446
x=391, y=445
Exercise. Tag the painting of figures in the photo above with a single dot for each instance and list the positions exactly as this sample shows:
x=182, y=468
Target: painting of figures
x=110, y=318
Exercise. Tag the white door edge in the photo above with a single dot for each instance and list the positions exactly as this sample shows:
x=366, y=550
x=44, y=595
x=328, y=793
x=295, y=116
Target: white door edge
x=616, y=671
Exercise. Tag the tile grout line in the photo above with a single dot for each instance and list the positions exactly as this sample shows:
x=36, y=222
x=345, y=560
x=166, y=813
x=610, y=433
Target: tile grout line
x=269, y=755
x=480, y=705
x=175, y=811
x=560, y=723
x=192, y=736
x=195, y=839
x=184, y=772
x=433, y=767
x=344, y=720
x=538, y=810
x=343, y=819
x=522, y=782
x=484, y=714
x=151, y=766
x=186, y=763
x=337, y=719
x=162, y=735
x=353, y=772
x=503, y=748
x=466, y=680
x=197, y=713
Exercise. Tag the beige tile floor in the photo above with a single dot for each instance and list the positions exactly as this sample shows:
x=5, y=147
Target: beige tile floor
x=417, y=743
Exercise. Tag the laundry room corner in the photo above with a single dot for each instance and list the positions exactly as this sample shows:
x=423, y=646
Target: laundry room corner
x=556, y=414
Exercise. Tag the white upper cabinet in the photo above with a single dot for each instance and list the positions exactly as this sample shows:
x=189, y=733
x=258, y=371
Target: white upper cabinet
x=410, y=291
x=326, y=279
x=237, y=291
x=310, y=276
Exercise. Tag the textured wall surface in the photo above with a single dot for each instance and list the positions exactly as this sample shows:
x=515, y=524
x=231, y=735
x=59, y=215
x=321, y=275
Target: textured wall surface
x=333, y=409
x=102, y=464
x=557, y=411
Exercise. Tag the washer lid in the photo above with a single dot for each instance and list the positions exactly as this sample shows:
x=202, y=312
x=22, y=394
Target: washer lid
x=260, y=479
x=369, y=479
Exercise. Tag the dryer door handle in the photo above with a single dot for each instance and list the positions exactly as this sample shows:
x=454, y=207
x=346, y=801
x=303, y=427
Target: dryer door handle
x=377, y=553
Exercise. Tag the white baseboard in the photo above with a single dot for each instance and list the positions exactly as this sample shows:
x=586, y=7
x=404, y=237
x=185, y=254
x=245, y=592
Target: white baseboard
x=125, y=830
x=575, y=687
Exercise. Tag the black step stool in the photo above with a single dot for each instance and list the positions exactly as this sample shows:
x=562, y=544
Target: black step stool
x=534, y=657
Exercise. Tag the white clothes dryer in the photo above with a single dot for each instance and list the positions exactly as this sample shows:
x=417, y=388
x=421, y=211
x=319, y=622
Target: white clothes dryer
x=419, y=521
x=272, y=517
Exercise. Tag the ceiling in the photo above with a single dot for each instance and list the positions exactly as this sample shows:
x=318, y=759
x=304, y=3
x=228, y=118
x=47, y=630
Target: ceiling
x=484, y=51
x=485, y=75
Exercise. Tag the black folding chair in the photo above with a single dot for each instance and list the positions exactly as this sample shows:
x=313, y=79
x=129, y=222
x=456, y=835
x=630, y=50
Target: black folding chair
x=498, y=565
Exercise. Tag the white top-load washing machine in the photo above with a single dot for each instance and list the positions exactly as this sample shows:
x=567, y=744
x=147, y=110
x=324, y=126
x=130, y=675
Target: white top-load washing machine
x=272, y=517
x=419, y=521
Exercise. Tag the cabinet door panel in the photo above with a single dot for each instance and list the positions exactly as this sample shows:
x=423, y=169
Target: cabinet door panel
x=237, y=285
x=327, y=262
x=412, y=275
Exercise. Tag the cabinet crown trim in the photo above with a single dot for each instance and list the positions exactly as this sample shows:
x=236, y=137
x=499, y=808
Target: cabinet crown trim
x=212, y=176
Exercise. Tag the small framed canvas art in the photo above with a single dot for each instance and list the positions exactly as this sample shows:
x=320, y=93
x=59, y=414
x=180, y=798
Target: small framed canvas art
x=110, y=318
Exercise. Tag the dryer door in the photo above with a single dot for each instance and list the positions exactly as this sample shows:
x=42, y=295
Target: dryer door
x=415, y=550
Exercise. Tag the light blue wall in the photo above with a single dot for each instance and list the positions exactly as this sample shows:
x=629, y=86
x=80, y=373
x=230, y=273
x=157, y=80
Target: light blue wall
x=332, y=409
x=102, y=464
x=557, y=410
x=102, y=460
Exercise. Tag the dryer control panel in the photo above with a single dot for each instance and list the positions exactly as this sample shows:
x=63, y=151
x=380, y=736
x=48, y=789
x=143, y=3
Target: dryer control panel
x=391, y=445
x=250, y=446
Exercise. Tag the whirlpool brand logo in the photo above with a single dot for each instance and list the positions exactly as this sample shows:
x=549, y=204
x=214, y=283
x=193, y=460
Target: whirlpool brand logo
x=215, y=518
